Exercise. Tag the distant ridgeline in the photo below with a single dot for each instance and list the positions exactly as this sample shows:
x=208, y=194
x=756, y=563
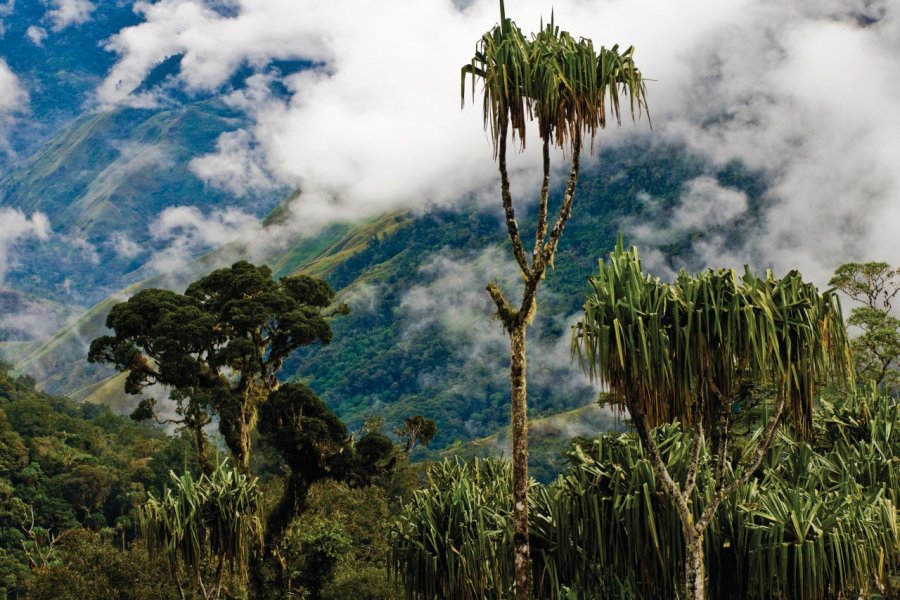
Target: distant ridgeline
x=420, y=339
x=381, y=362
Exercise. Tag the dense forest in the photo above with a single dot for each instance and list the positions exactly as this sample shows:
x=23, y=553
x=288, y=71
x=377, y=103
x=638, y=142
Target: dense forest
x=88, y=496
x=575, y=397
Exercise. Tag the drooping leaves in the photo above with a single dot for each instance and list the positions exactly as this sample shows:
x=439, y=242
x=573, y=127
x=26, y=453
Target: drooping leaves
x=674, y=351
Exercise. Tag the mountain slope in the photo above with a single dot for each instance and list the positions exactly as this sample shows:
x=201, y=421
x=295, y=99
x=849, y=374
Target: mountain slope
x=103, y=180
x=420, y=338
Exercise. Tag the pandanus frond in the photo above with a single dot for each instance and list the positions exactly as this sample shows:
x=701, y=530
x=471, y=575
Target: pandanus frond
x=677, y=351
x=215, y=517
x=561, y=81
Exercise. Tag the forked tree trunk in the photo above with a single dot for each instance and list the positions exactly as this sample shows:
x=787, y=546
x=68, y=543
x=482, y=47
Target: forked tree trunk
x=516, y=321
x=517, y=373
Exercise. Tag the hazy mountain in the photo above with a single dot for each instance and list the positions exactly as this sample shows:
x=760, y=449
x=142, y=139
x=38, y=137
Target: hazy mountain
x=163, y=185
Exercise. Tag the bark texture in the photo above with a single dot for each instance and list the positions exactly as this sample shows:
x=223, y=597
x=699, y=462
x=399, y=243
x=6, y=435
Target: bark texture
x=520, y=463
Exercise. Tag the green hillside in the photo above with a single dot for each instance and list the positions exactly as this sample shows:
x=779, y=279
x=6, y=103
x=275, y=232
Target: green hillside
x=420, y=338
x=103, y=180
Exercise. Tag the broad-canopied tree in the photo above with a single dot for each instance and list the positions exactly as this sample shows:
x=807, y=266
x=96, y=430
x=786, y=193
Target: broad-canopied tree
x=217, y=348
x=569, y=88
x=685, y=351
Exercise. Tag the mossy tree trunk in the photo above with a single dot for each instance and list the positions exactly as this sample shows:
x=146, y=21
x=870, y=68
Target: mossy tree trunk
x=516, y=321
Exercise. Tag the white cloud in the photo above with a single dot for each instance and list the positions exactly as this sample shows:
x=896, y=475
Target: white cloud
x=805, y=91
x=186, y=231
x=124, y=246
x=36, y=34
x=237, y=165
x=702, y=204
x=65, y=13
x=16, y=226
x=13, y=96
x=13, y=101
x=6, y=9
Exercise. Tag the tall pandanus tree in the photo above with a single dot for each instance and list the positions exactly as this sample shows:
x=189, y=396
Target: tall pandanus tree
x=569, y=89
x=685, y=351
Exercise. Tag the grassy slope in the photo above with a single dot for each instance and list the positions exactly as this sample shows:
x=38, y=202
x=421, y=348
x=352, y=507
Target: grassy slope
x=59, y=364
x=375, y=365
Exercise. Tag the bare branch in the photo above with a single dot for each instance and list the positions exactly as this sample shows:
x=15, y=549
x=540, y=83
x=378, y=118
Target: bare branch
x=509, y=212
x=564, y=211
x=541, y=231
x=672, y=487
x=764, y=443
x=506, y=313
x=691, y=481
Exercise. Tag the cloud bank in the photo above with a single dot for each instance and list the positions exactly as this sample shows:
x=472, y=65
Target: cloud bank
x=13, y=101
x=14, y=227
x=805, y=91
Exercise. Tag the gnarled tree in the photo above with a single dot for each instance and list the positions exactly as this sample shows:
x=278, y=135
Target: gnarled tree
x=684, y=351
x=217, y=347
x=569, y=88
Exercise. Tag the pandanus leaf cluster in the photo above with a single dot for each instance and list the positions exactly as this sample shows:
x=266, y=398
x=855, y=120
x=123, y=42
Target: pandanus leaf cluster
x=211, y=522
x=562, y=81
x=677, y=351
x=819, y=519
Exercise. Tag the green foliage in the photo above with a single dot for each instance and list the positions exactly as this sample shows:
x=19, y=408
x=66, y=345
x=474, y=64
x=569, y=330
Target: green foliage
x=315, y=446
x=681, y=350
x=817, y=521
x=354, y=520
x=214, y=519
x=876, y=349
x=455, y=538
x=559, y=80
x=218, y=347
x=65, y=466
x=87, y=566
x=416, y=430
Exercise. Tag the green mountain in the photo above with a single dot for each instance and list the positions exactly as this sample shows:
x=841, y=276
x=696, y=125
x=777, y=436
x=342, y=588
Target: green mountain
x=420, y=338
x=103, y=180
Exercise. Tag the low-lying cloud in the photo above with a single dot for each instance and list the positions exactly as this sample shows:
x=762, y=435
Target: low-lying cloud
x=451, y=308
x=804, y=91
x=187, y=232
x=16, y=226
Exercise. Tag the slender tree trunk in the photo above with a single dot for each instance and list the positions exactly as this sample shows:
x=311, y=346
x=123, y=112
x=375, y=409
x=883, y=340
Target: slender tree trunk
x=694, y=569
x=520, y=462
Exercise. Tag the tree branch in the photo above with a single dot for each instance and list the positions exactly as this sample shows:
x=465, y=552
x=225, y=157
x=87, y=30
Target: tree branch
x=506, y=313
x=564, y=211
x=749, y=468
x=541, y=231
x=691, y=481
x=671, y=486
x=509, y=212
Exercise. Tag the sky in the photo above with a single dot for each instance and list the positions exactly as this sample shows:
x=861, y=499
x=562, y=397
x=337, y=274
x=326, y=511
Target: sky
x=805, y=91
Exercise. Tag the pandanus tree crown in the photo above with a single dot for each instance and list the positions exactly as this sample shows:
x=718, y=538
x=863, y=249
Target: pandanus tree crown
x=562, y=82
x=677, y=351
